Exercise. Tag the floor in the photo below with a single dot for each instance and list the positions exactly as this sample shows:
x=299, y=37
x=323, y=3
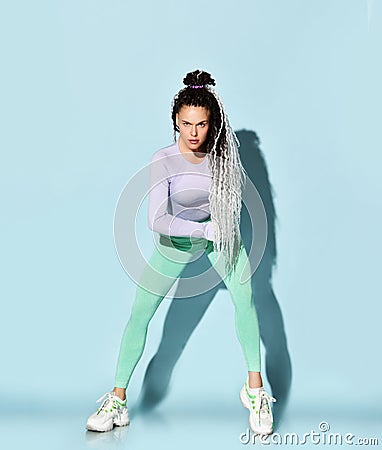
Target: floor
x=185, y=426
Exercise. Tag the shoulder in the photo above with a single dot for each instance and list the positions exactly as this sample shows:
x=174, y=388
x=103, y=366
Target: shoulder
x=164, y=162
x=163, y=153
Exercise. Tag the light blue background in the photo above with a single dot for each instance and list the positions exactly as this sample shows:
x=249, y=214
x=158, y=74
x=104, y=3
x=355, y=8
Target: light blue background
x=86, y=88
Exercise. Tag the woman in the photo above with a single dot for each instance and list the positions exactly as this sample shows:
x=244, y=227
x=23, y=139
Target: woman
x=199, y=178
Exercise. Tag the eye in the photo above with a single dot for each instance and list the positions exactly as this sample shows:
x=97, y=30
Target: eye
x=202, y=125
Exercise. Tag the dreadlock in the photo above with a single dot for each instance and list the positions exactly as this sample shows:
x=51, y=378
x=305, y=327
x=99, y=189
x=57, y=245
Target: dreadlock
x=228, y=174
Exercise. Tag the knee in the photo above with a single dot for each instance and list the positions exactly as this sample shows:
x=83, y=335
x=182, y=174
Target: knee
x=244, y=301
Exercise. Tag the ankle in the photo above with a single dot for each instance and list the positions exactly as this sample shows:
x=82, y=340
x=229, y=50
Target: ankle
x=254, y=380
x=120, y=392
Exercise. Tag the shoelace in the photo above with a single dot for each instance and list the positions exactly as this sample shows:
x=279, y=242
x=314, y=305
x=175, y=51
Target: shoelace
x=109, y=397
x=265, y=402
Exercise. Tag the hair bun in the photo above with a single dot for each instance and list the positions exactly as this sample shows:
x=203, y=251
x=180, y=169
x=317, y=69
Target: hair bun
x=198, y=77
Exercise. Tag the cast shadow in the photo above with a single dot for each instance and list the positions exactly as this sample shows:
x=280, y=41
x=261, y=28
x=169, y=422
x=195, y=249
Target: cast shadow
x=184, y=314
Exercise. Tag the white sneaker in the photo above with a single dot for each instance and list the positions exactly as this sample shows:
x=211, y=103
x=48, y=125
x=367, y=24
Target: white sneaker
x=260, y=409
x=113, y=411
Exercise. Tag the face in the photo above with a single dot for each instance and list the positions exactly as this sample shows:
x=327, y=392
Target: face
x=193, y=123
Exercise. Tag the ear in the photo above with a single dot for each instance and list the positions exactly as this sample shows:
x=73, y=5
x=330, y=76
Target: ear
x=177, y=119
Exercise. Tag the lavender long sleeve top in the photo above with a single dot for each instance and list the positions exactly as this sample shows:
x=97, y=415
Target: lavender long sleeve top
x=179, y=194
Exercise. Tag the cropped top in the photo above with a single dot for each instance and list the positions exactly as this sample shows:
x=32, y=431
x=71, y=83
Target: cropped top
x=179, y=192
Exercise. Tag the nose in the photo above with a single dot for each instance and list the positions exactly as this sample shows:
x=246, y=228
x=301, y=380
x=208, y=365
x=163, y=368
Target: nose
x=193, y=130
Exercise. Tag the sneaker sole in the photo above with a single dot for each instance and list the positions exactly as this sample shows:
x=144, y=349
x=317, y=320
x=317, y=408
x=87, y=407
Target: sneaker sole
x=117, y=424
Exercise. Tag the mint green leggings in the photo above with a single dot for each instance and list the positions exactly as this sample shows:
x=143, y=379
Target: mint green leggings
x=169, y=259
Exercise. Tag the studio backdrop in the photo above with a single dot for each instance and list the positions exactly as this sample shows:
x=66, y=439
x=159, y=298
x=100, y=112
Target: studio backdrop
x=86, y=90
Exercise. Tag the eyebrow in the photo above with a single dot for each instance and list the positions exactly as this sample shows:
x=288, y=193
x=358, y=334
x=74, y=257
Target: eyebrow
x=185, y=121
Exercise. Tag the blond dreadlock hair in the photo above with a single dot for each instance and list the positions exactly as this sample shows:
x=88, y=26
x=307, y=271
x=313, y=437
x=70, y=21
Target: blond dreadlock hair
x=228, y=173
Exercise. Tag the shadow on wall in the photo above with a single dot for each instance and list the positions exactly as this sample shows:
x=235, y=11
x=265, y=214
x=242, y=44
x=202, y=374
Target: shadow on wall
x=184, y=315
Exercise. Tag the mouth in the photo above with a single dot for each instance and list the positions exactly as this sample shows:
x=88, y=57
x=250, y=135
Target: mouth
x=193, y=141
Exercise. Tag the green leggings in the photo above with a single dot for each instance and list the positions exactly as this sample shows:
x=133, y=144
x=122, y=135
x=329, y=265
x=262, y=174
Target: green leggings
x=169, y=259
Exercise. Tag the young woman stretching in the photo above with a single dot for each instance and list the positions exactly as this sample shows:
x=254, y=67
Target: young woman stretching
x=194, y=205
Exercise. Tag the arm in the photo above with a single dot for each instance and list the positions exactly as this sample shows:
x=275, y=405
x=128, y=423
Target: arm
x=159, y=219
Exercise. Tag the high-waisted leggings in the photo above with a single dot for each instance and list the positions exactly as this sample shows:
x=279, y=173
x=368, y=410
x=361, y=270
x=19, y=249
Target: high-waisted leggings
x=168, y=261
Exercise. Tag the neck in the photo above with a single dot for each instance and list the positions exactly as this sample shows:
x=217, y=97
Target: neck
x=199, y=152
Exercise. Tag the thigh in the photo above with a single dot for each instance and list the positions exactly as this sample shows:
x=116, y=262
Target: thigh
x=238, y=280
x=164, y=267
